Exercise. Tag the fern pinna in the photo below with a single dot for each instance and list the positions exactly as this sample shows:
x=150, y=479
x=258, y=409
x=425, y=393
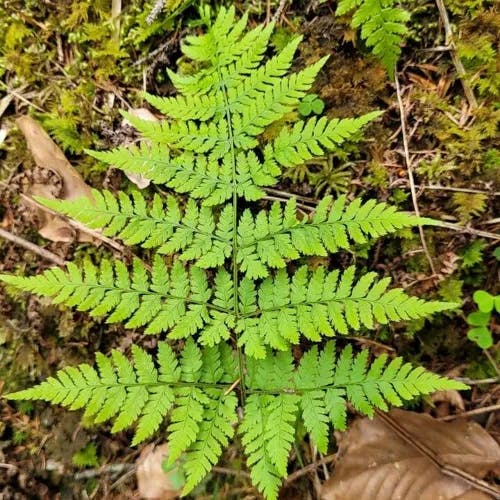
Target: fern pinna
x=383, y=26
x=228, y=293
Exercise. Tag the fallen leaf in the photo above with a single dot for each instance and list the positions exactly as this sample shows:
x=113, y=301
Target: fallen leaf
x=49, y=156
x=152, y=480
x=444, y=401
x=376, y=464
x=144, y=114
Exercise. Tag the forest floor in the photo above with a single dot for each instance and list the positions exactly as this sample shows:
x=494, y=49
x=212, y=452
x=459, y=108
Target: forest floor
x=73, y=65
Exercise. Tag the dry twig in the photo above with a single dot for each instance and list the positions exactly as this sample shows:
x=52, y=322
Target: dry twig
x=42, y=252
x=470, y=413
x=454, y=56
x=409, y=168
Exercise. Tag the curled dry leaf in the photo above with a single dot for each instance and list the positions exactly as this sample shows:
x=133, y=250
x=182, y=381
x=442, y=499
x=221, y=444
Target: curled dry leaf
x=49, y=156
x=376, y=464
x=445, y=401
x=152, y=480
x=144, y=114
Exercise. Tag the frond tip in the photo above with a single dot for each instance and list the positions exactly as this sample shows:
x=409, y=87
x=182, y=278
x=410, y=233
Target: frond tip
x=383, y=26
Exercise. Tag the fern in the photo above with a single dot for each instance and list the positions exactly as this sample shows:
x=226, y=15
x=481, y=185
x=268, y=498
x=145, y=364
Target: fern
x=383, y=26
x=195, y=389
x=225, y=290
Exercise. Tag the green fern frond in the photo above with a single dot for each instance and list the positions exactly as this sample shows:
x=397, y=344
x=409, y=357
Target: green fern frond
x=383, y=27
x=314, y=137
x=192, y=391
x=228, y=288
x=192, y=234
x=270, y=238
x=320, y=304
x=145, y=393
x=318, y=390
x=175, y=301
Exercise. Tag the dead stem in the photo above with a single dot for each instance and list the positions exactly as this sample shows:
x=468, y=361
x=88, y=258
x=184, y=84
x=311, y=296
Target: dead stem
x=409, y=168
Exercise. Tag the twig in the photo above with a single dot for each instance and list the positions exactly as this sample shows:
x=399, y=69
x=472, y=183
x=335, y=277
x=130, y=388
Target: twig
x=458, y=190
x=445, y=468
x=116, y=10
x=233, y=385
x=155, y=11
x=46, y=254
x=492, y=361
x=279, y=11
x=8, y=466
x=231, y=472
x=470, y=381
x=159, y=49
x=470, y=413
x=410, y=171
x=454, y=56
x=470, y=230
x=105, y=469
x=309, y=468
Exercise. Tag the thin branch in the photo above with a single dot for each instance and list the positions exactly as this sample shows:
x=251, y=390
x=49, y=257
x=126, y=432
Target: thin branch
x=445, y=468
x=454, y=55
x=105, y=469
x=458, y=190
x=42, y=252
x=310, y=468
x=470, y=381
x=470, y=413
x=279, y=11
x=409, y=168
x=470, y=230
x=155, y=11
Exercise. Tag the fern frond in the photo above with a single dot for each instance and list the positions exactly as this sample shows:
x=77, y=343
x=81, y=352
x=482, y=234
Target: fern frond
x=254, y=427
x=273, y=104
x=270, y=238
x=145, y=393
x=321, y=304
x=314, y=137
x=227, y=287
x=320, y=386
x=175, y=301
x=383, y=26
x=192, y=235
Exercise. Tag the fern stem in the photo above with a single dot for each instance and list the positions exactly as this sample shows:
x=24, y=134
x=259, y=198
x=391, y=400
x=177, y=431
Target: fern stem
x=241, y=361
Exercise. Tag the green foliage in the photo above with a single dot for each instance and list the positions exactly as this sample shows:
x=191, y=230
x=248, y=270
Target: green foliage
x=194, y=388
x=383, y=27
x=229, y=289
x=86, y=457
x=480, y=332
x=311, y=104
x=472, y=254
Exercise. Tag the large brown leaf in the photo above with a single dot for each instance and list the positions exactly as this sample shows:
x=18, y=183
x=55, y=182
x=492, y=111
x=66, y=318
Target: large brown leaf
x=49, y=156
x=376, y=464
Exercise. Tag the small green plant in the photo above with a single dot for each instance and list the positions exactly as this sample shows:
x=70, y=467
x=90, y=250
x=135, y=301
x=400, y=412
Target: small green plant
x=480, y=320
x=311, y=104
x=236, y=292
x=86, y=457
x=383, y=27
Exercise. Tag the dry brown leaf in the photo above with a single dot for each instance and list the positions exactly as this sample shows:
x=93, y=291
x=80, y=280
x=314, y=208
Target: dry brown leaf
x=144, y=114
x=376, y=464
x=152, y=481
x=49, y=156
